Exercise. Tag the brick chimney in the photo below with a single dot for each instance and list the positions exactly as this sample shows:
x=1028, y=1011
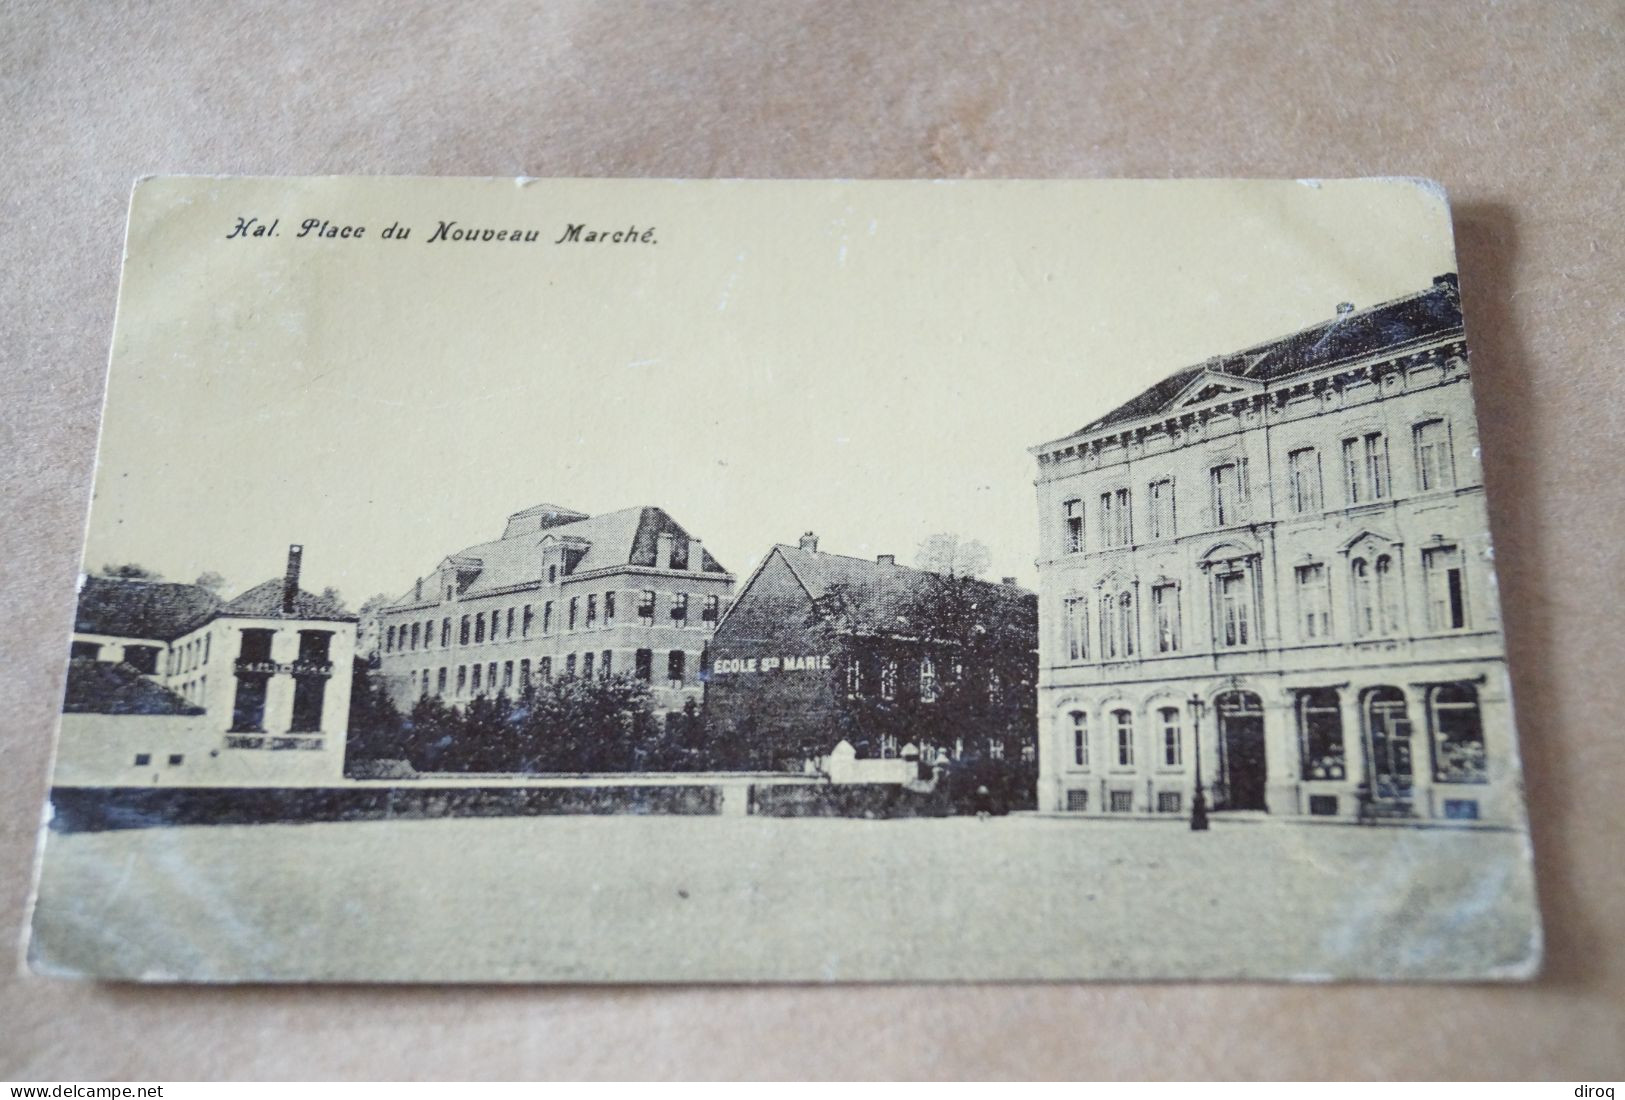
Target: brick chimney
x=663, y=550
x=290, y=579
x=1008, y=582
x=696, y=556
x=809, y=542
x=885, y=559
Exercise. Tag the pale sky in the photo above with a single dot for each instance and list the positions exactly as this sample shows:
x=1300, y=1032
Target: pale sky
x=870, y=361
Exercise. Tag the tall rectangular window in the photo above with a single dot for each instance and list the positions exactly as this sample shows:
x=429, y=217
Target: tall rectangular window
x=547, y=617
x=1234, y=608
x=888, y=679
x=524, y=672
x=676, y=667
x=1314, y=602
x=1434, y=466
x=603, y=664
x=609, y=609
x=928, y=680
x=1365, y=467
x=476, y=681
x=413, y=644
x=570, y=667
x=462, y=632
x=1173, y=749
x=440, y=681
x=1161, y=493
x=644, y=664
x=1116, y=524
x=1165, y=608
x=479, y=628
x=544, y=669
x=679, y=609
x=646, y=607
x=1073, y=510
x=462, y=679
x=507, y=675
x=592, y=611
x=1075, y=626
x=1446, y=593
x=1123, y=725
x=508, y=633
x=711, y=610
x=586, y=665
x=526, y=620
x=445, y=633
x=1303, y=480
x=575, y=608
x=1227, y=492
x=1080, y=739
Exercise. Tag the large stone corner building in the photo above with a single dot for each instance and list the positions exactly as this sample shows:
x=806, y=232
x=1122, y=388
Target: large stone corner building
x=1280, y=557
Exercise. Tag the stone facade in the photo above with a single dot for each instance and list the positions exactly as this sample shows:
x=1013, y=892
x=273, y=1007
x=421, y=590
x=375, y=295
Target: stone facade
x=560, y=594
x=1277, y=563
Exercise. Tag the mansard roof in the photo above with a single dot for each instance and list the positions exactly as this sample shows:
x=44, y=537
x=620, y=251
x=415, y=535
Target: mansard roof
x=628, y=537
x=161, y=610
x=879, y=595
x=1395, y=325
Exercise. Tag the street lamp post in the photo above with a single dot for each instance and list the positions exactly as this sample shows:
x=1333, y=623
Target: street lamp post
x=1199, y=802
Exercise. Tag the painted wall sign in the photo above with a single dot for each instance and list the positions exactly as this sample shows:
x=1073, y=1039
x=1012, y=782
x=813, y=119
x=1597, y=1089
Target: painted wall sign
x=724, y=666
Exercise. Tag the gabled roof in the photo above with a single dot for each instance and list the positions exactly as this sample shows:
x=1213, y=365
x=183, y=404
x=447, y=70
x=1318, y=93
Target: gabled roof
x=625, y=537
x=102, y=687
x=878, y=595
x=264, y=601
x=1431, y=314
x=161, y=610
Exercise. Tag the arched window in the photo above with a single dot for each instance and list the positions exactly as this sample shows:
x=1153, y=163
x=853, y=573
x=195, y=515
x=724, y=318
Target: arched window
x=1173, y=749
x=1365, y=604
x=1075, y=627
x=928, y=680
x=1117, y=625
x=1458, y=735
x=888, y=679
x=1320, y=735
x=1387, y=596
x=1123, y=724
x=1080, y=738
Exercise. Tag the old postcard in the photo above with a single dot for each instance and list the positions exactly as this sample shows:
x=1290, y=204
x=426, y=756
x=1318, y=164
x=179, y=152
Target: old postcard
x=610, y=580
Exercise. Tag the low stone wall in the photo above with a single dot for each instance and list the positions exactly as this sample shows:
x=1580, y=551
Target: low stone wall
x=96, y=809
x=876, y=800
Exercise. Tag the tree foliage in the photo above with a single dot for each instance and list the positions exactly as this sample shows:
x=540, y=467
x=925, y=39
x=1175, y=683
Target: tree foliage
x=130, y=571
x=951, y=555
x=567, y=725
x=211, y=582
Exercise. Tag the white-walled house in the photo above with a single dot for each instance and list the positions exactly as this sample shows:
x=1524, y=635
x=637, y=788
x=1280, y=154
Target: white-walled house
x=170, y=686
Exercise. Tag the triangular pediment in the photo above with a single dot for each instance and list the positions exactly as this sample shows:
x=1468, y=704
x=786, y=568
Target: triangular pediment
x=1210, y=386
x=1369, y=536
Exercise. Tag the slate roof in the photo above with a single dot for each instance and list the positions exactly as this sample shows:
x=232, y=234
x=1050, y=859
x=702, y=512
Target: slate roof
x=163, y=610
x=102, y=687
x=142, y=609
x=879, y=595
x=264, y=601
x=1430, y=314
x=625, y=537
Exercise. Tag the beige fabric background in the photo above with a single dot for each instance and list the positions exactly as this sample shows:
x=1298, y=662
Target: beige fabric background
x=1516, y=108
